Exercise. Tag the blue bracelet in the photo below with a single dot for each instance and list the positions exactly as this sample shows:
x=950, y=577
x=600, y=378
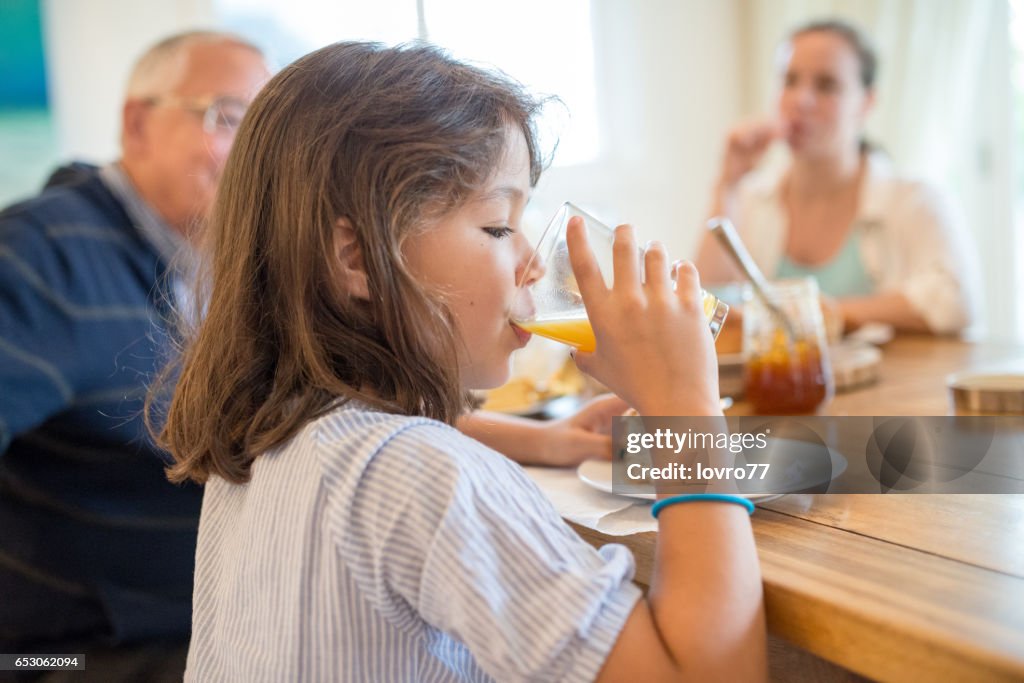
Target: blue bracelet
x=690, y=497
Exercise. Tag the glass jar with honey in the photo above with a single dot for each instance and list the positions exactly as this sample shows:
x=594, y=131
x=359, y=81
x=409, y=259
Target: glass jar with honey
x=786, y=367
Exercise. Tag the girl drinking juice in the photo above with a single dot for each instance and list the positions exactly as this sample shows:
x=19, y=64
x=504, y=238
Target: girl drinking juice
x=364, y=254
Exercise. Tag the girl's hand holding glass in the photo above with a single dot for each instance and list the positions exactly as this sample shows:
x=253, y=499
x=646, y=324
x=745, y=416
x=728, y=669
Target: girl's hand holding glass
x=552, y=306
x=653, y=345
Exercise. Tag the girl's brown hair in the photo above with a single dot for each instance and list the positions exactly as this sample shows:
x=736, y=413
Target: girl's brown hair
x=387, y=139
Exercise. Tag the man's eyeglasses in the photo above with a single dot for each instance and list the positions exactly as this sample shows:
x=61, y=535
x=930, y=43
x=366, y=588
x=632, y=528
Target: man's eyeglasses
x=221, y=115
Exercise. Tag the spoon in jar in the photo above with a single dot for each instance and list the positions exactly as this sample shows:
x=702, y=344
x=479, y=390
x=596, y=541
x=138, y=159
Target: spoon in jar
x=723, y=230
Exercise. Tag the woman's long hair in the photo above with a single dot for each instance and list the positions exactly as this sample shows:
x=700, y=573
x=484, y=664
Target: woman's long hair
x=387, y=139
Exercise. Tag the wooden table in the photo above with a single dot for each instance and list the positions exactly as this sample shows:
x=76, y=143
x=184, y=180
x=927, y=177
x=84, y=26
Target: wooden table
x=892, y=587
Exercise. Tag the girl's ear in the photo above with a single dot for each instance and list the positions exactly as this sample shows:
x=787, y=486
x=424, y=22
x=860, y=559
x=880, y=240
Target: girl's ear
x=349, y=258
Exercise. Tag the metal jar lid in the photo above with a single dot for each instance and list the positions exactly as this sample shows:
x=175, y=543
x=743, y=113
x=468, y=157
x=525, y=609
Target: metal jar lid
x=988, y=393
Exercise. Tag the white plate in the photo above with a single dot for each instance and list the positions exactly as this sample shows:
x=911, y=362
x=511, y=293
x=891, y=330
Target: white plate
x=598, y=473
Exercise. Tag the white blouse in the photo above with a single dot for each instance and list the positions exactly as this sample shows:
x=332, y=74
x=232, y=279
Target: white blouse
x=913, y=242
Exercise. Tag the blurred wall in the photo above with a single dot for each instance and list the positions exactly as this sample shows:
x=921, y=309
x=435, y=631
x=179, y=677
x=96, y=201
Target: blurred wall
x=90, y=47
x=668, y=89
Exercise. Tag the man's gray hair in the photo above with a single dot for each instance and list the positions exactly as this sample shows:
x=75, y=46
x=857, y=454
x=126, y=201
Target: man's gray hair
x=159, y=67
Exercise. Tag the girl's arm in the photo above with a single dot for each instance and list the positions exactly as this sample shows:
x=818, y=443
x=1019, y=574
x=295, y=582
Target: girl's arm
x=556, y=443
x=703, y=619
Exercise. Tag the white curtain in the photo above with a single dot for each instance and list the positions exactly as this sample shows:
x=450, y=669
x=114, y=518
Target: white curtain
x=942, y=112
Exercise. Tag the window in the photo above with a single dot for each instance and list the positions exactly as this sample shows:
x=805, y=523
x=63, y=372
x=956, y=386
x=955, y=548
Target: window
x=553, y=56
x=289, y=30
x=546, y=45
x=1017, y=47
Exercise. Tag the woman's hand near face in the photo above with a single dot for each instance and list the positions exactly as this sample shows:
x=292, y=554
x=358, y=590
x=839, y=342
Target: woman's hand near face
x=654, y=348
x=744, y=148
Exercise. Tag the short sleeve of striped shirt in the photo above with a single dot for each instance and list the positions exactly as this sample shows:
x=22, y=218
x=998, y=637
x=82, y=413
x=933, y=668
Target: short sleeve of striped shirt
x=444, y=530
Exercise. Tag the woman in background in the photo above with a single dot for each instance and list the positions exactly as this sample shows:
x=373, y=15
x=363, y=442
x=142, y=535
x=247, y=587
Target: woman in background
x=886, y=248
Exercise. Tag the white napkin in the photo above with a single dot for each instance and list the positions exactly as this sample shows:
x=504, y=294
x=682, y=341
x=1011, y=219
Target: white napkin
x=605, y=512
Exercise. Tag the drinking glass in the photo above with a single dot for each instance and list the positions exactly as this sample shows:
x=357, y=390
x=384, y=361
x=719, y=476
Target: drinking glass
x=555, y=307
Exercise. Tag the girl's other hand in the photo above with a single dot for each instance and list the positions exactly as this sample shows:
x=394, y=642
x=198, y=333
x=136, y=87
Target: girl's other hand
x=654, y=348
x=583, y=436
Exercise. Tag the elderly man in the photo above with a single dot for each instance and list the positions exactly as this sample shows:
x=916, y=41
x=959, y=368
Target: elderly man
x=96, y=547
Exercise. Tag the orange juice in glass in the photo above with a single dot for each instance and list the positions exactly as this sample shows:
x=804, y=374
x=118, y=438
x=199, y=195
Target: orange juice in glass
x=557, y=311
